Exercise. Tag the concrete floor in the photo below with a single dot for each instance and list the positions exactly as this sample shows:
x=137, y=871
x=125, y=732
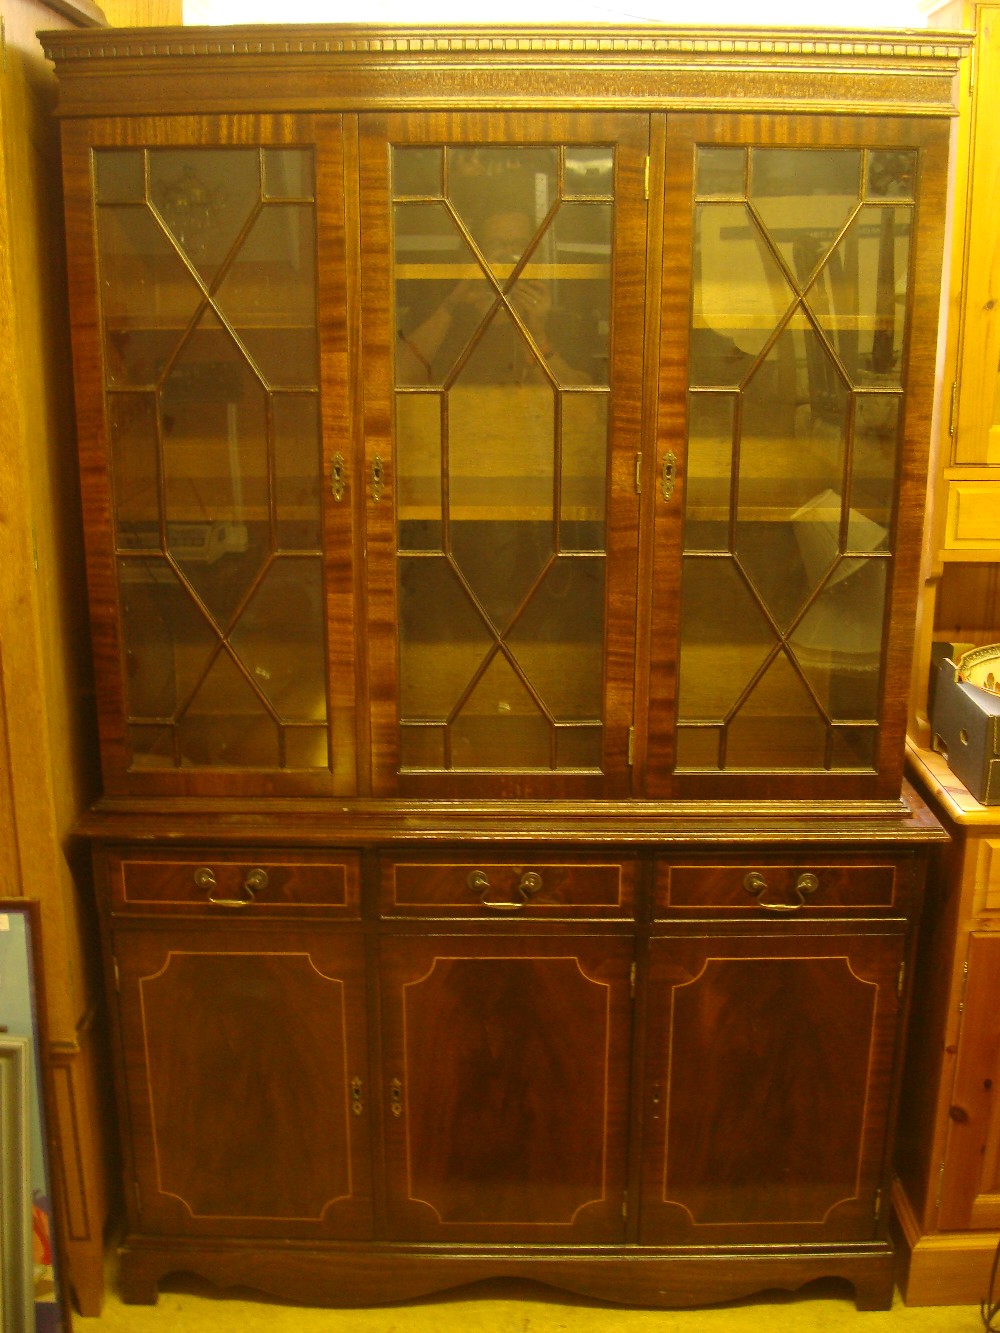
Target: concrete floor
x=190, y=1306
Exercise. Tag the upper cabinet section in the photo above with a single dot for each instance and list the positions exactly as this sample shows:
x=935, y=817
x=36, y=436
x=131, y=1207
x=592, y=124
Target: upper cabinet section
x=506, y=413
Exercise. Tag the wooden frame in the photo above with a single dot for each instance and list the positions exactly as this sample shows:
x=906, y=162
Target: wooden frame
x=39, y=1302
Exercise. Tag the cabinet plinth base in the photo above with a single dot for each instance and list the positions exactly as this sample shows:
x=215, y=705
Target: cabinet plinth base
x=382, y=1274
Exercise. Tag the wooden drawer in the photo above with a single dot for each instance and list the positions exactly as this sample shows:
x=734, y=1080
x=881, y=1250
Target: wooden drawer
x=256, y=882
x=774, y=887
x=498, y=888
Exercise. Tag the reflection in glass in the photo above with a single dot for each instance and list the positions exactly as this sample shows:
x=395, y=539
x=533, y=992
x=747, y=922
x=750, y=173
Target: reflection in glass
x=208, y=310
x=793, y=436
x=502, y=307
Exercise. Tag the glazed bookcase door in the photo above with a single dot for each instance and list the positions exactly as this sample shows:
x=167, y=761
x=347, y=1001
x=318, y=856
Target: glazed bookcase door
x=506, y=1087
x=217, y=393
x=503, y=264
x=787, y=436
x=767, y=1097
x=246, y=1081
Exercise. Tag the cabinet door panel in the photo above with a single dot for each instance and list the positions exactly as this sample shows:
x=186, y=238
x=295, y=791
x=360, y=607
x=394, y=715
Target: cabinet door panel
x=506, y=1064
x=801, y=431
x=245, y=1067
x=970, y=1196
x=211, y=320
x=504, y=260
x=768, y=1073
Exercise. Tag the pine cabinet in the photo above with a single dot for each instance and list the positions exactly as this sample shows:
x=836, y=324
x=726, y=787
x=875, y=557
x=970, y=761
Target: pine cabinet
x=503, y=456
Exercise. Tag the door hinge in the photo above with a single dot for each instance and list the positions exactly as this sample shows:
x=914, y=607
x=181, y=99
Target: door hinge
x=953, y=415
x=965, y=982
x=631, y=746
x=645, y=179
x=118, y=978
x=638, y=472
x=899, y=980
x=631, y=982
x=878, y=1204
x=625, y=1204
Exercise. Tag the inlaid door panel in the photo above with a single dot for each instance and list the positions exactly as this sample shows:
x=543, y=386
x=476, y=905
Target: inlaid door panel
x=506, y=1071
x=247, y=1086
x=769, y=1062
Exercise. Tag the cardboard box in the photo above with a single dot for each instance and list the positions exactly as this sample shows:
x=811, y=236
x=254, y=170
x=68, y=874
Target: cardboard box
x=965, y=729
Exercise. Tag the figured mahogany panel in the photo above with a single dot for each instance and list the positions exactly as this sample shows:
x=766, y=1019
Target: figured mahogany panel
x=245, y=1071
x=506, y=1081
x=768, y=1068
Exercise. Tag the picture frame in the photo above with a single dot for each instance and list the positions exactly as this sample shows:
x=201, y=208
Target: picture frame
x=34, y=1292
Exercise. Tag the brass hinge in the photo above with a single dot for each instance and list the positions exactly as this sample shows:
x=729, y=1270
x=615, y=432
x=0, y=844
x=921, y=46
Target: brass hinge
x=631, y=746
x=638, y=472
x=940, y=1188
x=625, y=1204
x=118, y=979
x=899, y=981
x=965, y=982
x=631, y=982
x=953, y=415
x=645, y=179
x=878, y=1204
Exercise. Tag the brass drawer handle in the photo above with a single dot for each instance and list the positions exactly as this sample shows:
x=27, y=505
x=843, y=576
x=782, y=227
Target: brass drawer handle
x=256, y=880
x=755, y=884
x=529, y=883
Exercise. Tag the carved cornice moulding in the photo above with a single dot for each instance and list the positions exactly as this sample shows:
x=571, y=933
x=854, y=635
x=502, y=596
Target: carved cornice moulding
x=339, y=67
x=306, y=40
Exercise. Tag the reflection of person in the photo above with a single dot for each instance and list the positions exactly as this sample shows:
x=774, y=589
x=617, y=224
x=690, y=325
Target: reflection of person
x=427, y=353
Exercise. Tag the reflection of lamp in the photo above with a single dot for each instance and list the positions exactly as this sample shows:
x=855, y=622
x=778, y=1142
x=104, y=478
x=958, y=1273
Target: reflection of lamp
x=842, y=630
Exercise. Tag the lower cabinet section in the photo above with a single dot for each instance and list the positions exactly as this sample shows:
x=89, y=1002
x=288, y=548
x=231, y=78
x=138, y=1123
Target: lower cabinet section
x=665, y=1098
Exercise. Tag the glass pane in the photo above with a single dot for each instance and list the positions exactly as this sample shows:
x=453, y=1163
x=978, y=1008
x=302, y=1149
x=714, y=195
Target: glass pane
x=442, y=640
x=205, y=197
x=732, y=322
x=720, y=171
x=779, y=725
x=584, y=471
x=135, y=471
x=269, y=294
x=227, y=724
x=716, y=664
x=297, y=471
x=558, y=641
x=794, y=424
x=147, y=295
x=288, y=173
x=564, y=294
x=281, y=641
x=838, y=642
x=589, y=171
x=502, y=291
x=892, y=173
x=168, y=642
x=120, y=176
x=419, y=469
x=229, y=472
x=501, y=725
x=708, y=484
x=417, y=171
